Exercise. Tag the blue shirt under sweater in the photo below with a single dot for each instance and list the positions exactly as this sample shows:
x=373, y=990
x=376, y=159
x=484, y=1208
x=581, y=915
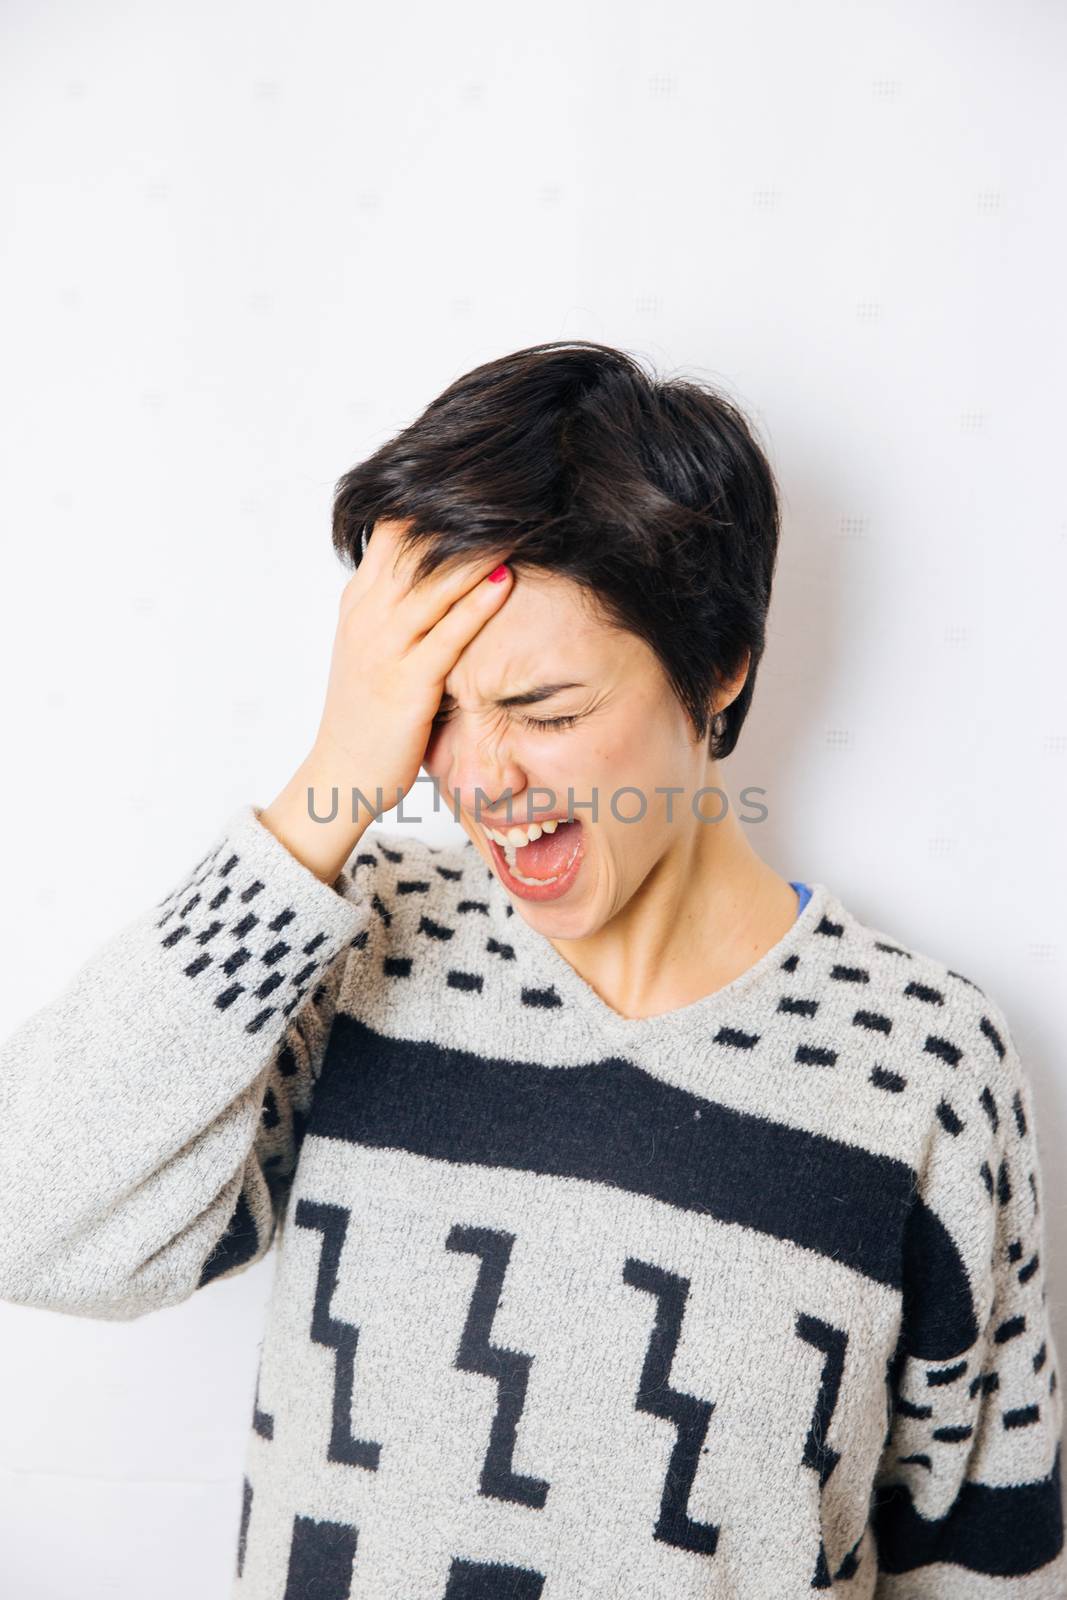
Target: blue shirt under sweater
x=803, y=894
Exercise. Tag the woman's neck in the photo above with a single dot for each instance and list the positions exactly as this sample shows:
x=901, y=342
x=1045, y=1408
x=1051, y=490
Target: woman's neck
x=709, y=909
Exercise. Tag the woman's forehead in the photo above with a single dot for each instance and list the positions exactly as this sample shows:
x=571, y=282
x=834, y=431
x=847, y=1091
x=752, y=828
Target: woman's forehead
x=547, y=639
x=550, y=603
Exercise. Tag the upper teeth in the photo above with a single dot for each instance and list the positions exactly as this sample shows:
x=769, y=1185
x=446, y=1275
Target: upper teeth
x=517, y=836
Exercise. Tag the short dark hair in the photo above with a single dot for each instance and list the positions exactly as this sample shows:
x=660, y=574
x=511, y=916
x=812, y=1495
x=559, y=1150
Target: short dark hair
x=649, y=493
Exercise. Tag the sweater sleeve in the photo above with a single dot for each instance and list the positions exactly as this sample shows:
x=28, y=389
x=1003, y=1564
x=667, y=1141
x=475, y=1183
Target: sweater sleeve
x=967, y=1499
x=152, y=1113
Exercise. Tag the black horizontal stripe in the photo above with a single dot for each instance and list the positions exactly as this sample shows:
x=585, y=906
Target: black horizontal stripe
x=1004, y=1531
x=608, y=1122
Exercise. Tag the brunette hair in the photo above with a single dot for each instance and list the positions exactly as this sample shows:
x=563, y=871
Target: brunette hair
x=650, y=493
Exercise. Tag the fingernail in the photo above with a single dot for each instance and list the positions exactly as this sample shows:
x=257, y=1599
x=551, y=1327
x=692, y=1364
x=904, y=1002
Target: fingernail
x=498, y=575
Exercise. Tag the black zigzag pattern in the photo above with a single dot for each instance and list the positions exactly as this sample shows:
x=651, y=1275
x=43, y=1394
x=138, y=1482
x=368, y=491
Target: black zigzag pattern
x=689, y=1415
x=818, y=1454
x=510, y=1369
x=340, y=1337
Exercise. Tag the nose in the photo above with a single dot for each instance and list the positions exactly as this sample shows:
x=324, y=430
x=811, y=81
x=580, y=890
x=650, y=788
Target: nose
x=479, y=772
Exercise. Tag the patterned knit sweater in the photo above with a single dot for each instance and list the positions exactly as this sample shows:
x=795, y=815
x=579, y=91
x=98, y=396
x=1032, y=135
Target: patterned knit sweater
x=746, y=1300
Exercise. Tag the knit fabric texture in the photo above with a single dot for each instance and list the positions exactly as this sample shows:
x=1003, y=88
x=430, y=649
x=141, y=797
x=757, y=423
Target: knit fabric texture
x=745, y=1300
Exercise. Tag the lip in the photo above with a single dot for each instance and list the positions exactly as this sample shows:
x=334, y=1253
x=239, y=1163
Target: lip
x=546, y=891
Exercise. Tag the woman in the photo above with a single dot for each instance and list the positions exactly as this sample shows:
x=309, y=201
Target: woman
x=658, y=1228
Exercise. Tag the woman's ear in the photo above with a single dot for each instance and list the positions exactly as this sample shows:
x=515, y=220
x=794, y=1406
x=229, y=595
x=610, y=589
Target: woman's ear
x=731, y=687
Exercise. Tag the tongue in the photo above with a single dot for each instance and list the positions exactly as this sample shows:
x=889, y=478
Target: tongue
x=546, y=857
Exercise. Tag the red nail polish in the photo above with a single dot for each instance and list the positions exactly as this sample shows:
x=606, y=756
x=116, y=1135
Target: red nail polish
x=498, y=575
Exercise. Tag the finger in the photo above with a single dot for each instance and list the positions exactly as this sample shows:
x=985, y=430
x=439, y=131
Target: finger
x=438, y=650
x=419, y=607
x=383, y=544
x=377, y=572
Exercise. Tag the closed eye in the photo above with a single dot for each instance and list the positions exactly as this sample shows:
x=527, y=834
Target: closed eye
x=441, y=717
x=549, y=722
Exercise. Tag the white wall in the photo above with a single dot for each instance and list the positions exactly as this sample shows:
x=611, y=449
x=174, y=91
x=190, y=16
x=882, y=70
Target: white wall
x=243, y=245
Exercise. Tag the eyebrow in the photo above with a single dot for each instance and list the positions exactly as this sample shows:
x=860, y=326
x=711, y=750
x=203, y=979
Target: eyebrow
x=529, y=697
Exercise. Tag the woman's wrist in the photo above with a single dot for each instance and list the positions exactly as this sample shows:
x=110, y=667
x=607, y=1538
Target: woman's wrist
x=304, y=818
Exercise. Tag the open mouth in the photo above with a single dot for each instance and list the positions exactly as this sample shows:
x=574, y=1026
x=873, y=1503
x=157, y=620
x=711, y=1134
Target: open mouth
x=543, y=866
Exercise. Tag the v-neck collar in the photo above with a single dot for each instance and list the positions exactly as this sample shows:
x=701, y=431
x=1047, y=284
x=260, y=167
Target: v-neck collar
x=605, y=1025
